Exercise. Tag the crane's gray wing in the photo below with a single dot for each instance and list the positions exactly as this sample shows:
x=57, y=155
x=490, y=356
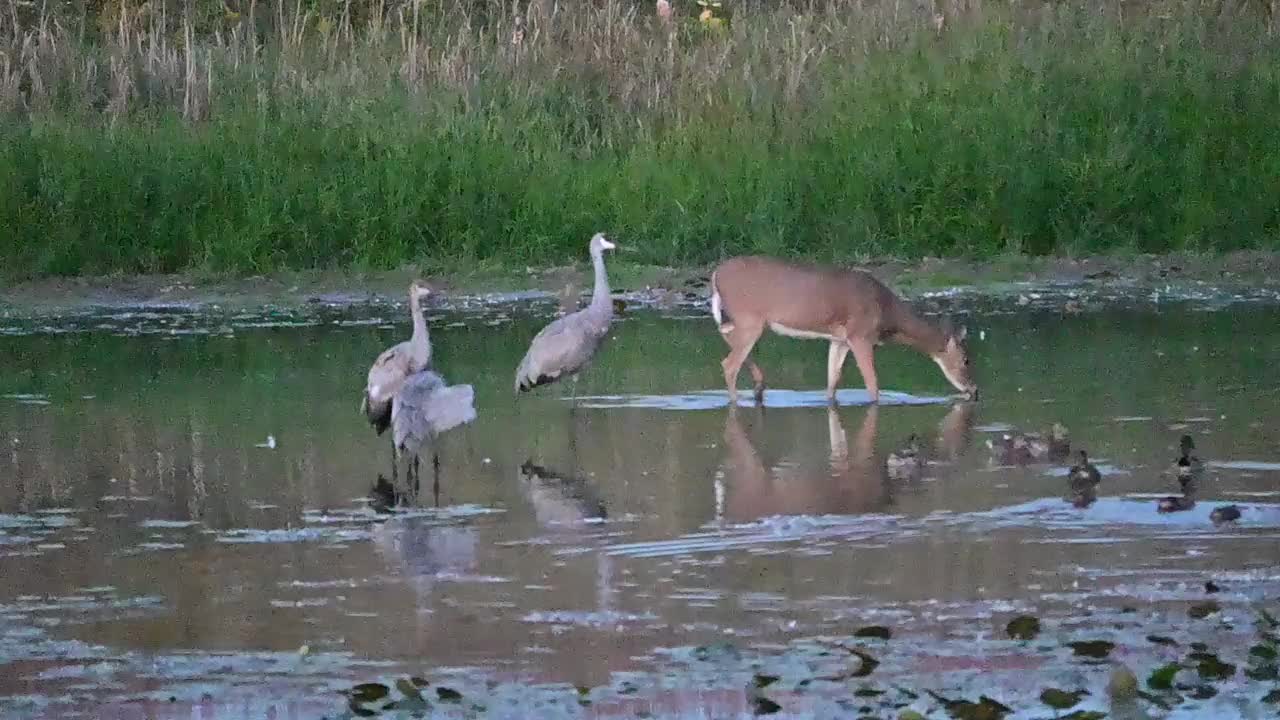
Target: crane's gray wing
x=562, y=348
x=426, y=407
x=385, y=377
x=450, y=407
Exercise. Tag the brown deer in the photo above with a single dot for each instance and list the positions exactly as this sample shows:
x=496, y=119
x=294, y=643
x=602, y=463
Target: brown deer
x=848, y=308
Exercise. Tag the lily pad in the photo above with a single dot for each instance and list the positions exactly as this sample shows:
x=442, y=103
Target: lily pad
x=721, y=649
x=868, y=692
x=910, y=715
x=407, y=688
x=1084, y=715
x=1162, y=678
x=1199, y=611
x=1202, y=692
x=1023, y=627
x=1211, y=668
x=1211, y=587
x=1162, y=640
x=448, y=695
x=1272, y=697
x=356, y=707
x=761, y=705
x=369, y=692
x=1262, y=651
x=1267, y=619
x=764, y=681
x=1096, y=649
x=985, y=709
x=1061, y=699
x=878, y=632
x=1156, y=700
x=1263, y=673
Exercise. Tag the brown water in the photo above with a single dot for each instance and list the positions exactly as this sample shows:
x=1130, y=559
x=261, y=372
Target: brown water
x=150, y=547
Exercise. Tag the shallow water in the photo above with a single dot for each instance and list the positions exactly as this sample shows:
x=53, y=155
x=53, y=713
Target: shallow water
x=152, y=545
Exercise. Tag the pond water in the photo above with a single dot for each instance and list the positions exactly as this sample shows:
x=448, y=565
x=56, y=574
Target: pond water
x=159, y=558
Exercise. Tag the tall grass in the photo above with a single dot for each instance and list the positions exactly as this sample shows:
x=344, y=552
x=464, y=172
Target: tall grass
x=442, y=134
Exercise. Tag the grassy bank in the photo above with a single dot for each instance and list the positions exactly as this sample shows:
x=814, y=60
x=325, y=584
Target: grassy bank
x=266, y=141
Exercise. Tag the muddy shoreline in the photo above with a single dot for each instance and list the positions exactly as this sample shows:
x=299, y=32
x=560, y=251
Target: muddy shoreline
x=1253, y=275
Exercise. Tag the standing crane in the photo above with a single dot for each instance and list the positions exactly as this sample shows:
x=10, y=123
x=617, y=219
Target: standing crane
x=566, y=345
x=395, y=365
x=425, y=408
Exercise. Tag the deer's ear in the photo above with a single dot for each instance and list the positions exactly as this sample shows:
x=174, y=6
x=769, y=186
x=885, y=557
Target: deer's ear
x=964, y=332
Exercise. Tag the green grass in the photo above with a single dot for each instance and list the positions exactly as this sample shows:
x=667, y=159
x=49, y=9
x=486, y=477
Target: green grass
x=835, y=134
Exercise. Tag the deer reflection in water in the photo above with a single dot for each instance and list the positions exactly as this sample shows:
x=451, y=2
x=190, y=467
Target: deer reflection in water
x=855, y=479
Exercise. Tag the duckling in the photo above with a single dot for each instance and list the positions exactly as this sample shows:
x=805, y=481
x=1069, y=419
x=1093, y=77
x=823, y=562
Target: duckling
x=1083, y=474
x=1019, y=448
x=1011, y=449
x=905, y=463
x=1175, y=503
x=1056, y=446
x=1224, y=514
x=1187, y=467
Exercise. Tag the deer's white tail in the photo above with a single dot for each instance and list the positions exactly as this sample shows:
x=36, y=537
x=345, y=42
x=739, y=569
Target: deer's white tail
x=715, y=301
x=717, y=308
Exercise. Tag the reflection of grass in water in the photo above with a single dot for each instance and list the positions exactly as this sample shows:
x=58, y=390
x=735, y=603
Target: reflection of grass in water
x=202, y=403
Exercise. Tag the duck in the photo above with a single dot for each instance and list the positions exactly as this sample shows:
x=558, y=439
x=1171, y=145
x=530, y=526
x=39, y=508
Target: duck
x=1083, y=475
x=1018, y=448
x=1053, y=445
x=1187, y=468
x=906, y=462
x=1224, y=514
x=1082, y=497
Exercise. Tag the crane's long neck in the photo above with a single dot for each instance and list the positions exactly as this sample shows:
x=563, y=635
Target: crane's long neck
x=600, y=300
x=420, y=342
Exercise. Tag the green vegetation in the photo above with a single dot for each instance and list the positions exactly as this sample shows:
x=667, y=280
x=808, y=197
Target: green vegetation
x=248, y=137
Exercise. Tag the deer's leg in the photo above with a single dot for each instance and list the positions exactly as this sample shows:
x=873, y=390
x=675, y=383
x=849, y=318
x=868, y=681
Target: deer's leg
x=757, y=375
x=835, y=362
x=864, y=354
x=741, y=340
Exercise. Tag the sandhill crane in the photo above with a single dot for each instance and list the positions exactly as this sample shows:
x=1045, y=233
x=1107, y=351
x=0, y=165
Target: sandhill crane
x=424, y=408
x=566, y=345
x=395, y=365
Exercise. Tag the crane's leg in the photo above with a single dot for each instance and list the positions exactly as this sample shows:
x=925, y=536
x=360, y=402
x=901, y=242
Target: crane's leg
x=394, y=479
x=417, y=477
x=435, y=488
x=573, y=397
